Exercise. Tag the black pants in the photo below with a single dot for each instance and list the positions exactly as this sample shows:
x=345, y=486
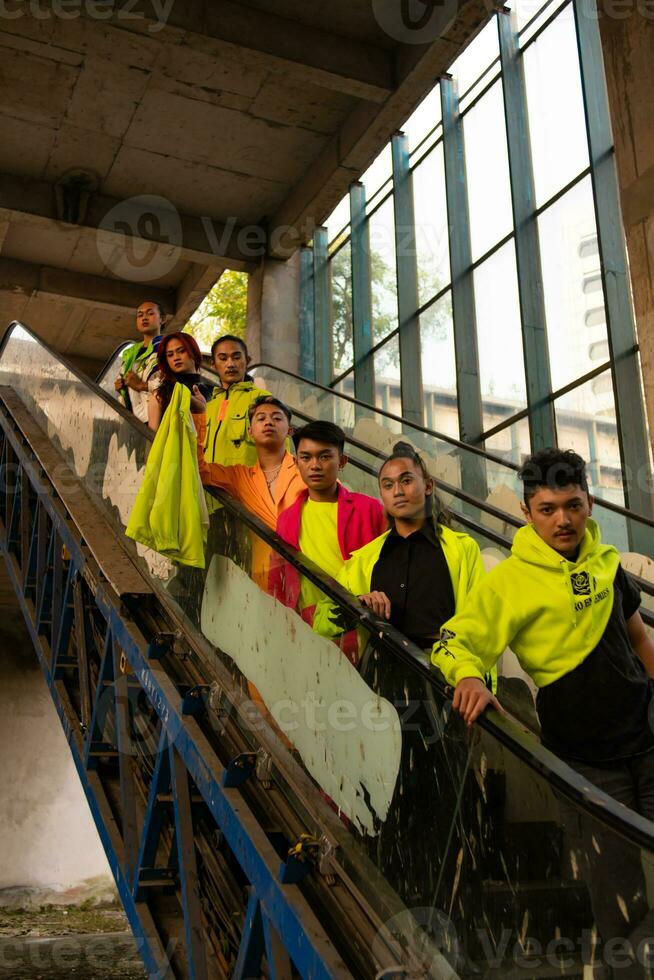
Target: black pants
x=613, y=869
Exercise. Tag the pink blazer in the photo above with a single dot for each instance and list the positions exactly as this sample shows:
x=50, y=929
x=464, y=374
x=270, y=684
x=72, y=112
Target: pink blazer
x=360, y=519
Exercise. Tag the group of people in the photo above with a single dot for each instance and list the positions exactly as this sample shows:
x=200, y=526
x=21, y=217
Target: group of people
x=561, y=601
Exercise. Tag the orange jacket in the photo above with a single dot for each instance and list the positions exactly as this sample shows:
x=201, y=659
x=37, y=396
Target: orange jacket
x=247, y=484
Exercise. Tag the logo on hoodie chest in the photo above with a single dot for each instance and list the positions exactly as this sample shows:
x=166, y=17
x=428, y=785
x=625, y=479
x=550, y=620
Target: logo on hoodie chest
x=581, y=583
x=584, y=585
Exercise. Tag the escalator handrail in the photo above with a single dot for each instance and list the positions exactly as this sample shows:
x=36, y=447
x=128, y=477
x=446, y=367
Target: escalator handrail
x=80, y=375
x=630, y=825
x=109, y=361
x=600, y=501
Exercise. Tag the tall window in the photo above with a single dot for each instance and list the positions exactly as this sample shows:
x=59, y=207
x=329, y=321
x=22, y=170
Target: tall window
x=567, y=257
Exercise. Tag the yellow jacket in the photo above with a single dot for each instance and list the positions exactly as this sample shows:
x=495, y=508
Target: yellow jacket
x=461, y=554
x=170, y=514
x=227, y=440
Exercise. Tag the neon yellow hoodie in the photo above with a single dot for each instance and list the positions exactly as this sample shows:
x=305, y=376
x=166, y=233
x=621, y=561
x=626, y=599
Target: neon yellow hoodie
x=170, y=514
x=551, y=612
x=461, y=554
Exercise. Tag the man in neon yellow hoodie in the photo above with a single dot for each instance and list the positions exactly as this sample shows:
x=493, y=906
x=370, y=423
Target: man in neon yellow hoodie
x=569, y=612
x=227, y=439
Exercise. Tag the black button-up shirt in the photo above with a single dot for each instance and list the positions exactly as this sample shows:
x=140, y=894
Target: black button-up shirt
x=414, y=574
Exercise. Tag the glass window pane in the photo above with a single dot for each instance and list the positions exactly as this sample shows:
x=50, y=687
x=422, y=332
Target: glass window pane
x=423, y=119
x=487, y=170
x=439, y=367
x=499, y=337
x=341, y=309
x=383, y=271
x=476, y=57
x=526, y=10
x=557, y=128
x=536, y=18
x=387, y=380
x=379, y=171
x=432, y=244
x=338, y=220
x=564, y=228
x=586, y=422
x=512, y=444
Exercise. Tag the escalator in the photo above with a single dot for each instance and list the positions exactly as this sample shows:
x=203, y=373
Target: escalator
x=268, y=809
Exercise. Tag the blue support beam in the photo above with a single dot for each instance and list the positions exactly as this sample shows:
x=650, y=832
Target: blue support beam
x=471, y=425
x=407, y=282
x=188, y=872
x=322, y=319
x=307, y=320
x=364, y=368
x=627, y=387
x=542, y=421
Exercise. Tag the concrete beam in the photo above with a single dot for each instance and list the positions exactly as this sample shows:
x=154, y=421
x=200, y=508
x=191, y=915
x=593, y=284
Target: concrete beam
x=190, y=293
x=29, y=279
x=306, y=53
x=638, y=198
x=368, y=128
x=142, y=218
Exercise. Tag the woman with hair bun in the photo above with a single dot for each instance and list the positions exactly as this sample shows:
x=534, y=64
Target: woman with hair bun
x=179, y=359
x=416, y=574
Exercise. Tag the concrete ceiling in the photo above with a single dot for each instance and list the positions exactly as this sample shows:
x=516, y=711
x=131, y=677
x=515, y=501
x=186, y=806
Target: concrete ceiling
x=144, y=152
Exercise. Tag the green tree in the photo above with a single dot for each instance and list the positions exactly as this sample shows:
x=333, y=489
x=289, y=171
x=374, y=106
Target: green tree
x=434, y=324
x=223, y=310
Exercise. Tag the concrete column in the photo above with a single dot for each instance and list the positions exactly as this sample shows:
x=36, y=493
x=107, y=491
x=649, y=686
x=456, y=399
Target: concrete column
x=627, y=44
x=50, y=852
x=273, y=327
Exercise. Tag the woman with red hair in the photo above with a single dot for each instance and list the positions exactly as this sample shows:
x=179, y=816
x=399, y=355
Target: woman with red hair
x=179, y=360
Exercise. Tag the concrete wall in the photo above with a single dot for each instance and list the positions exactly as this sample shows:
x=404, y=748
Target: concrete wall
x=273, y=331
x=49, y=848
x=628, y=45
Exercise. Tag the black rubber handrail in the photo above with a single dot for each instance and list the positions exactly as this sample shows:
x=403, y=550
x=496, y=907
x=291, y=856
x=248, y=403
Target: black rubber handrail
x=524, y=745
x=109, y=361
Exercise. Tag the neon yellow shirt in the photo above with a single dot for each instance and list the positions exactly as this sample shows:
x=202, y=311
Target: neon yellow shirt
x=319, y=541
